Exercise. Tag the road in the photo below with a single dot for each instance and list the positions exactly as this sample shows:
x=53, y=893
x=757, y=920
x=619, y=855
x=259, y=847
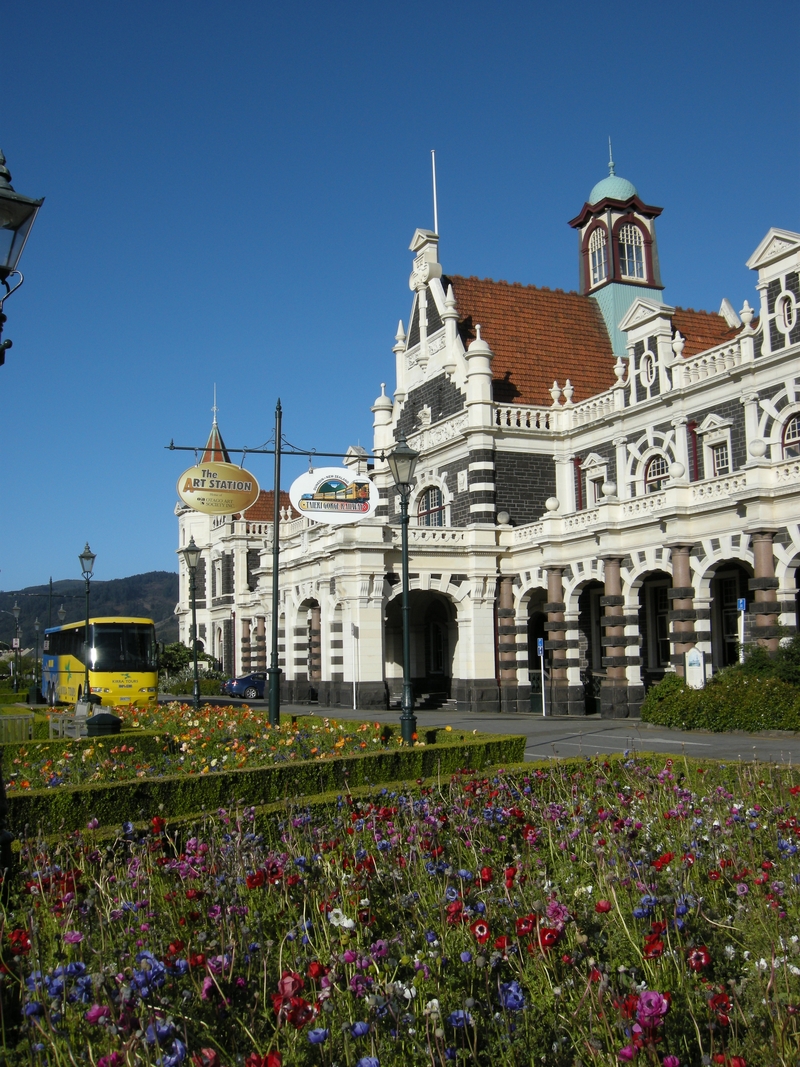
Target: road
x=554, y=737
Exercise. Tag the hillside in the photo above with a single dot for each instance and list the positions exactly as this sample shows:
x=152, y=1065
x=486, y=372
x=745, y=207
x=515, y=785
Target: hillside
x=152, y=595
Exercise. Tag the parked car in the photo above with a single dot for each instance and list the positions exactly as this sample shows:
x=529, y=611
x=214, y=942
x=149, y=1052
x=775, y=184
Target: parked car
x=250, y=686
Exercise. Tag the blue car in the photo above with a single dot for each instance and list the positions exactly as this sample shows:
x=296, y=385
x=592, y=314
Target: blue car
x=250, y=686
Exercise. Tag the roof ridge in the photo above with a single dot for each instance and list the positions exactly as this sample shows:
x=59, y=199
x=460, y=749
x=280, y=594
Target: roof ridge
x=514, y=285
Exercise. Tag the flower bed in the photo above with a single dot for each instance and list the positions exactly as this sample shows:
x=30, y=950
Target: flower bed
x=179, y=740
x=585, y=913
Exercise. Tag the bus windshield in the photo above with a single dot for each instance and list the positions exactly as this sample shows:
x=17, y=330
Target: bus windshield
x=123, y=647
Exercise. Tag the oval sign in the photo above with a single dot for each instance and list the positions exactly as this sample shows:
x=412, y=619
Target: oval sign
x=218, y=488
x=334, y=495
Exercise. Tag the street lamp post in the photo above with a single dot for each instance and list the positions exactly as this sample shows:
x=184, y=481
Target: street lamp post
x=192, y=556
x=87, y=558
x=402, y=460
x=17, y=215
x=34, y=692
x=16, y=611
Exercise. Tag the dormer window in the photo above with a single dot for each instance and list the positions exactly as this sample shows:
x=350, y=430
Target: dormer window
x=598, y=256
x=631, y=251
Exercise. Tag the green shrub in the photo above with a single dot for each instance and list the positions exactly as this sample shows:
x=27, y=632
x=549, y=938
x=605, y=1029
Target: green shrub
x=732, y=700
x=70, y=808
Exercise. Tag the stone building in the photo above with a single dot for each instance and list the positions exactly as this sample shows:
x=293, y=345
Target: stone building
x=597, y=468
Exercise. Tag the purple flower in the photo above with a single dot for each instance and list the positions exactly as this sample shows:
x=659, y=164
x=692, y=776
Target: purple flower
x=96, y=1013
x=742, y=890
x=459, y=1019
x=652, y=1008
x=511, y=996
x=359, y=1029
x=379, y=949
x=466, y=957
x=178, y=1054
x=557, y=913
x=627, y=1053
x=73, y=937
x=671, y=1061
x=368, y=1061
x=316, y=1037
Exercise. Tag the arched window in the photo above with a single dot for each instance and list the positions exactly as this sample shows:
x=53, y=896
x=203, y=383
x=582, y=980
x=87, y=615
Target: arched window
x=598, y=256
x=791, y=438
x=656, y=474
x=631, y=251
x=430, y=508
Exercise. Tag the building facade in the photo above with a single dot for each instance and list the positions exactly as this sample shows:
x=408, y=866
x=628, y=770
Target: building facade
x=598, y=469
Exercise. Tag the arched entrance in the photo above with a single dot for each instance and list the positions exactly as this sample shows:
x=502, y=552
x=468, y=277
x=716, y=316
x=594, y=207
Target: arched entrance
x=590, y=632
x=654, y=608
x=433, y=636
x=728, y=586
x=537, y=617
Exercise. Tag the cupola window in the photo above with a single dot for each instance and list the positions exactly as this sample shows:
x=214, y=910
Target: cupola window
x=431, y=508
x=791, y=438
x=598, y=256
x=631, y=251
x=656, y=474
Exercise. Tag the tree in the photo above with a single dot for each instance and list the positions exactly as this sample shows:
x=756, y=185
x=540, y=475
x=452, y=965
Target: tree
x=175, y=657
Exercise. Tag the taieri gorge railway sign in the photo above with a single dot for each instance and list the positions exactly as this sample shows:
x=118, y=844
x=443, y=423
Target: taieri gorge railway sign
x=218, y=488
x=334, y=495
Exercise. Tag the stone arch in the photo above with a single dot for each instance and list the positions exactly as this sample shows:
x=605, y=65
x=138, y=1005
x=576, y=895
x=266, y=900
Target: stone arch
x=722, y=578
x=433, y=631
x=775, y=411
x=641, y=452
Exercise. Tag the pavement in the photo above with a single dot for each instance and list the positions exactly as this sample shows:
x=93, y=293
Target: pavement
x=554, y=737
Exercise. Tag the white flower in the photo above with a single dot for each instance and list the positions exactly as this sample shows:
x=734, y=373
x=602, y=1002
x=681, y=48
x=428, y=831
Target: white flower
x=432, y=1007
x=337, y=917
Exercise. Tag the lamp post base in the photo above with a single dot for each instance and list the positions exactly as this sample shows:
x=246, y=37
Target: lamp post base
x=408, y=720
x=274, y=676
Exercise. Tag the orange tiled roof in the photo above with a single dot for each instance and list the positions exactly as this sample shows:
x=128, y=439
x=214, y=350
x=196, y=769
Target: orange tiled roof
x=702, y=329
x=261, y=510
x=538, y=336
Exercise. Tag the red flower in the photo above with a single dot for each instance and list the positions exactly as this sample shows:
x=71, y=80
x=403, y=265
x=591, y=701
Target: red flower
x=720, y=1004
x=158, y=825
x=272, y=1059
x=316, y=970
x=549, y=937
x=20, y=941
x=530, y=834
x=486, y=875
x=502, y=944
x=510, y=875
x=206, y=1057
x=526, y=924
x=663, y=861
x=300, y=1013
x=255, y=881
x=290, y=984
x=195, y=894
x=713, y=876
x=653, y=949
x=603, y=906
x=698, y=958
x=481, y=931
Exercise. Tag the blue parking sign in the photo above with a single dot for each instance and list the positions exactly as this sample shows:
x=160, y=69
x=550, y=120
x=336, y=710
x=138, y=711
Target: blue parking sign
x=540, y=646
x=741, y=604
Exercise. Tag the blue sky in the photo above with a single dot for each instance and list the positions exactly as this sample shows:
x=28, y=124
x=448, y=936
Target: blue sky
x=231, y=190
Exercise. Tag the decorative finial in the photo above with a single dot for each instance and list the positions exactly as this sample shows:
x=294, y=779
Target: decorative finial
x=5, y=174
x=611, y=170
x=478, y=332
x=215, y=409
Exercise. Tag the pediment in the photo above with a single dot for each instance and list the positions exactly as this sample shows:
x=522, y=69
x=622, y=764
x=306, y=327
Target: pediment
x=643, y=310
x=422, y=238
x=713, y=422
x=776, y=245
x=594, y=460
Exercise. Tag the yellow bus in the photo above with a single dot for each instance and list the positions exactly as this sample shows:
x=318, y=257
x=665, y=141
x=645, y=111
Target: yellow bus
x=123, y=661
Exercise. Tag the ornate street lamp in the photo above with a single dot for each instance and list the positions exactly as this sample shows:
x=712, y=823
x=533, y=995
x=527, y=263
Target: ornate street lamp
x=192, y=556
x=62, y=614
x=16, y=611
x=87, y=558
x=17, y=215
x=402, y=460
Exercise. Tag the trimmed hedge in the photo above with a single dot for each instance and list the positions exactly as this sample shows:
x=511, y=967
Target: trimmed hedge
x=69, y=808
x=732, y=700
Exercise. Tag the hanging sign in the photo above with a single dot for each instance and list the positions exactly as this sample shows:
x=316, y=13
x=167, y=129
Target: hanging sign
x=334, y=495
x=218, y=488
x=694, y=669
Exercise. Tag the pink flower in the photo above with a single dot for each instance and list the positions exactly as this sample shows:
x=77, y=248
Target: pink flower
x=208, y=988
x=113, y=1060
x=96, y=1013
x=92, y=824
x=652, y=1008
x=73, y=937
x=671, y=1061
x=557, y=913
x=626, y=1054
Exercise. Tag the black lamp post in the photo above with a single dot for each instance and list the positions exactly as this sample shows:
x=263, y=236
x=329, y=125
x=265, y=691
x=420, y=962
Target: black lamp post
x=62, y=614
x=16, y=611
x=402, y=460
x=192, y=556
x=34, y=693
x=87, y=558
x=17, y=215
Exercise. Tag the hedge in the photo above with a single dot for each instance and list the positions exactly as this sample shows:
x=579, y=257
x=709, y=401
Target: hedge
x=732, y=700
x=69, y=808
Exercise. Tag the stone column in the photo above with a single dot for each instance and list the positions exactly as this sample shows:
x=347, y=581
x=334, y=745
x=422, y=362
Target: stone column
x=245, y=646
x=614, y=688
x=557, y=697
x=682, y=615
x=507, y=644
x=764, y=585
x=315, y=645
x=261, y=643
